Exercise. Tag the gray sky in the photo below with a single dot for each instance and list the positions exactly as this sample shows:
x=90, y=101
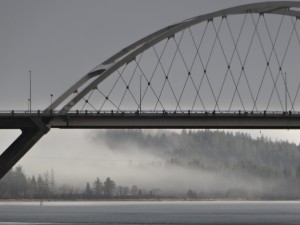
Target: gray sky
x=61, y=40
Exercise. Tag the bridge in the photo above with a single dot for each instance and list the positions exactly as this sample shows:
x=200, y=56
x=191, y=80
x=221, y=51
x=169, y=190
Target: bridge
x=237, y=68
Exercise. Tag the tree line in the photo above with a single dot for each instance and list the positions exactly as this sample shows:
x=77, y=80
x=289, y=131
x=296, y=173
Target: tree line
x=274, y=162
x=273, y=166
x=16, y=185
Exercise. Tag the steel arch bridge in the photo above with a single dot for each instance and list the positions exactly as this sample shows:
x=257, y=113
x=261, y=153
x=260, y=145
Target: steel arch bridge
x=234, y=68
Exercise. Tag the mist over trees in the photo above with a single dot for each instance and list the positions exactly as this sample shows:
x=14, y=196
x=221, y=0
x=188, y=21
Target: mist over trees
x=213, y=150
x=261, y=168
x=222, y=165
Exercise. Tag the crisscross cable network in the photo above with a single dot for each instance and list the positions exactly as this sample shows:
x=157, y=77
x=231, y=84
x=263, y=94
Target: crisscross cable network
x=236, y=59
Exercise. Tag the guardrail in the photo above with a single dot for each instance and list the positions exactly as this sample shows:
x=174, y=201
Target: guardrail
x=144, y=112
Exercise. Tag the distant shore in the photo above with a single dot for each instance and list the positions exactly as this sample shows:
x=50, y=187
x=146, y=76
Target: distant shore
x=147, y=200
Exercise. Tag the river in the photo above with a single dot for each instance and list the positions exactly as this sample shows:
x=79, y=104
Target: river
x=161, y=212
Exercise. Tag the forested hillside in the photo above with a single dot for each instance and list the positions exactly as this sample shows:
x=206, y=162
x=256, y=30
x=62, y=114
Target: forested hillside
x=216, y=150
x=223, y=164
x=194, y=164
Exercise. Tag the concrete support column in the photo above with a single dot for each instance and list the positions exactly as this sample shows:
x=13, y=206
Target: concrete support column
x=22, y=145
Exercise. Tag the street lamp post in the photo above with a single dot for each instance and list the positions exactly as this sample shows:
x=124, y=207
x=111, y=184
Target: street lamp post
x=51, y=98
x=30, y=97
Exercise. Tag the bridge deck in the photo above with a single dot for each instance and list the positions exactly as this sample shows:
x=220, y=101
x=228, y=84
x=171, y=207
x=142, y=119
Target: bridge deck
x=150, y=120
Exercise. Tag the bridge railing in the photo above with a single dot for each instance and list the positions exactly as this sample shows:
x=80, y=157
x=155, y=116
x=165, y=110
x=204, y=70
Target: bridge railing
x=50, y=113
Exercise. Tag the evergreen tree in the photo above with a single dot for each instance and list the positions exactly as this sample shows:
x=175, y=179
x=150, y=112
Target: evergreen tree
x=19, y=187
x=32, y=186
x=191, y=194
x=134, y=191
x=122, y=191
x=40, y=187
x=6, y=184
x=88, y=191
x=298, y=171
x=98, y=188
x=109, y=187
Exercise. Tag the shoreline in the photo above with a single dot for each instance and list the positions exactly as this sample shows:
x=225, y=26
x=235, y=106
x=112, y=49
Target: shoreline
x=149, y=200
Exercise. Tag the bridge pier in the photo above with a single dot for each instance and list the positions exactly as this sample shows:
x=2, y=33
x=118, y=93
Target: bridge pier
x=29, y=136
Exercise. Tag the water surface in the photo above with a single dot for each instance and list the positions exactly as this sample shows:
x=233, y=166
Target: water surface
x=164, y=212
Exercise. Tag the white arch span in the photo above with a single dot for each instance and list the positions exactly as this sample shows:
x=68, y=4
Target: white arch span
x=105, y=69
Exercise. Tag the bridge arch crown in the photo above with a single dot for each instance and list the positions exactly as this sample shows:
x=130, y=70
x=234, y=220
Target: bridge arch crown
x=237, y=59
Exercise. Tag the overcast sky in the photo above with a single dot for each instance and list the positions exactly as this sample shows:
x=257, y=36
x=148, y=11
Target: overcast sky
x=61, y=40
